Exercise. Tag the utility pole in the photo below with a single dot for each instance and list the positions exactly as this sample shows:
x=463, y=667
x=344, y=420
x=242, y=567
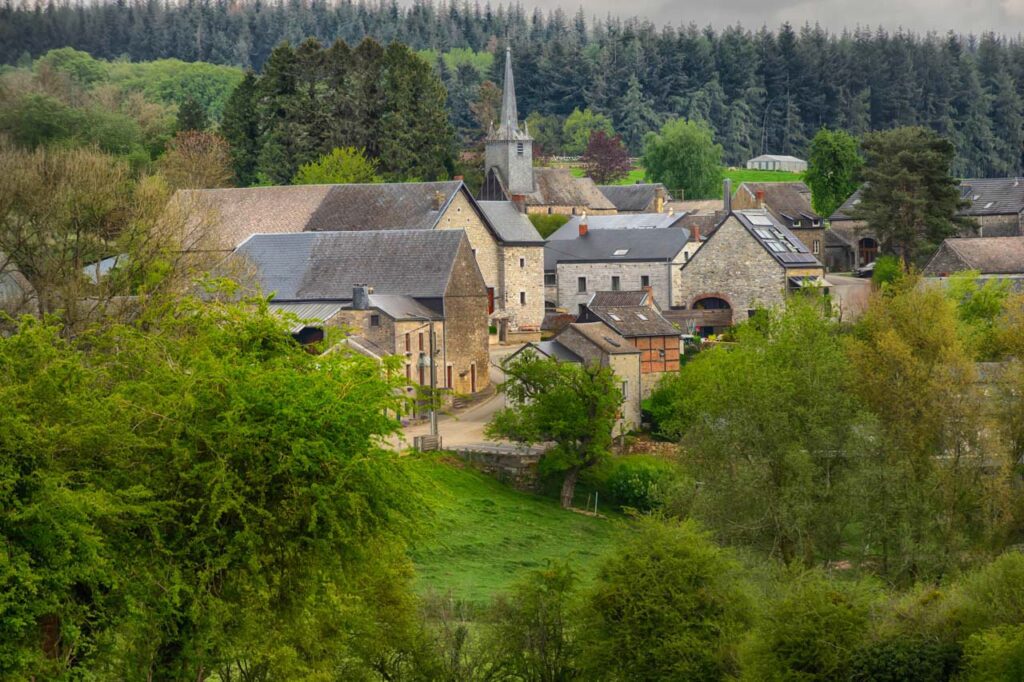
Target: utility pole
x=433, y=385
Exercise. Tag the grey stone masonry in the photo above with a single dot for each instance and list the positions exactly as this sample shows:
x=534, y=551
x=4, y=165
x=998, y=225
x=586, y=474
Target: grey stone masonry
x=599, y=277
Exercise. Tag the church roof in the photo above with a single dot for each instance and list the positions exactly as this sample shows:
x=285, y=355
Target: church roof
x=559, y=187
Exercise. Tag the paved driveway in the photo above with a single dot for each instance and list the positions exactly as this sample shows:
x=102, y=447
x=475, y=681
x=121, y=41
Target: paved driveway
x=465, y=428
x=851, y=294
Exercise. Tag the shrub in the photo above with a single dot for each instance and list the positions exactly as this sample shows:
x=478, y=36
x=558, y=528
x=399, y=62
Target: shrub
x=669, y=605
x=995, y=655
x=888, y=269
x=905, y=658
x=547, y=225
x=640, y=482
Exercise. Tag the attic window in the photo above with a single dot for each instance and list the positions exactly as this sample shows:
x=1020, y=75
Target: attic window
x=374, y=320
x=621, y=252
x=975, y=197
x=760, y=220
x=642, y=316
x=990, y=204
x=615, y=317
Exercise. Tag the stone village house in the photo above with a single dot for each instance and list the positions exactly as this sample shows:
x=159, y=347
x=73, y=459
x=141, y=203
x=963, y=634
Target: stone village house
x=751, y=261
x=507, y=248
x=578, y=265
x=635, y=316
x=790, y=204
x=996, y=206
x=992, y=257
x=384, y=288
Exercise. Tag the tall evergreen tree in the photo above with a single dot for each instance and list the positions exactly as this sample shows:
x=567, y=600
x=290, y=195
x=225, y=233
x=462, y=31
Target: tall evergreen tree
x=240, y=127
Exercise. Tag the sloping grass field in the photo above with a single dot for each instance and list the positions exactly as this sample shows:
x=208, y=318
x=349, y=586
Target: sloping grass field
x=485, y=534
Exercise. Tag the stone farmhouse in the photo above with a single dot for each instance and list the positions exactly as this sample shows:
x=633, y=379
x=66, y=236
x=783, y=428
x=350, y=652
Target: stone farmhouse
x=507, y=248
x=637, y=198
x=386, y=289
x=612, y=260
x=751, y=261
x=595, y=342
x=509, y=174
x=993, y=257
x=790, y=204
x=635, y=316
x=996, y=206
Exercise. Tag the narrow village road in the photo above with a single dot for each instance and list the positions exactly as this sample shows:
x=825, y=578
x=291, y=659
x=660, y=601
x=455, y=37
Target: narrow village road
x=851, y=294
x=467, y=427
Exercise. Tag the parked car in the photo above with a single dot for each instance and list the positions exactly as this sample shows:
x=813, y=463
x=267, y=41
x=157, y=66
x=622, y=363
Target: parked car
x=866, y=271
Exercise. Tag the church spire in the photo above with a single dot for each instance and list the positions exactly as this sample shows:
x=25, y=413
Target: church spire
x=508, y=126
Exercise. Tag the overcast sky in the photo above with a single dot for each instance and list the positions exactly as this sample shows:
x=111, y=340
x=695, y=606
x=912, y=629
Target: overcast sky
x=1002, y=16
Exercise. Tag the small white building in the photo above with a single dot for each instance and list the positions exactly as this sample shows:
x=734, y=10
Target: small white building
x=777, y=162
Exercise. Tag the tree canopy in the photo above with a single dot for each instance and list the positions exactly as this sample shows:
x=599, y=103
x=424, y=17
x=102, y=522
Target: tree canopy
x=833, y=169
x=684, y=156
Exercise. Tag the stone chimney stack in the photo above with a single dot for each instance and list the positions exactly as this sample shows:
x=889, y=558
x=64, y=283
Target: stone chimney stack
x=584, y=228
x=361, y=297
x=727, y=195
x=695, y=234
x=438, y=200
x=760, y=198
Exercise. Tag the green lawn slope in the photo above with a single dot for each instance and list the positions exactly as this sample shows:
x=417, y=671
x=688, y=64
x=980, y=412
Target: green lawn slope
x=485, y=534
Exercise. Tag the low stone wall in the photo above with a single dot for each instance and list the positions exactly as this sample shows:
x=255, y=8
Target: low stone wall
x=515, y=467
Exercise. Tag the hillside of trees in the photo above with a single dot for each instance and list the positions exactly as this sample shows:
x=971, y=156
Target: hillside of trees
x=761, y=90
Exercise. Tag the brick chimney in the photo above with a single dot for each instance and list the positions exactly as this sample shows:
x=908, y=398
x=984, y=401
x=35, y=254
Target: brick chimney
x=760, y=198
x=650, y=295
x=459, y=178
x=584, y=228
x=695, y=233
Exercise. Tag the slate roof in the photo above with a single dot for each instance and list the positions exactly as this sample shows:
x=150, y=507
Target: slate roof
x=623, y=221
x=551, y=349
x=311, y=312
x=776, y=238
x=599, y=246
x=559, y=187
x=326, y=266
x=239, y=213
x=619, y=298
x=606, y=339
x=789, y=201
x=512, y=226
x=993, y=196
x=634, y=320
x=989, y=255
x=634, y=198
x=988, y=196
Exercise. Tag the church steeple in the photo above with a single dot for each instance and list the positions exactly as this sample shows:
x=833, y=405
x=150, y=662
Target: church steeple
x=509, y=149
x=508, y=125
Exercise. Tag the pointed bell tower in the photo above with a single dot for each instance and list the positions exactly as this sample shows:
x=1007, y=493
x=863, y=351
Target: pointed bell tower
x=509, y=149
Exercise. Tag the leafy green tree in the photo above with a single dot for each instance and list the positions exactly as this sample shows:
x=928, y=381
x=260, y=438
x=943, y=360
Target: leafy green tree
x=533, y=633
x=924, y=501
x=348, y=165
x=578, y=128
x=192, y=116
x=909, y=199
x=833, y=165
x=995, y=655
x=160, y=519
x=684, y=156
x=669, y=605
x=571, y=405
x=546, y=131
x=79, y=66
x=979, y=308
x=769, y=447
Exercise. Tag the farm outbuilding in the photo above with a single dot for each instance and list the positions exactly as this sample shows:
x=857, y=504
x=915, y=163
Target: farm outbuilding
x=776, y=162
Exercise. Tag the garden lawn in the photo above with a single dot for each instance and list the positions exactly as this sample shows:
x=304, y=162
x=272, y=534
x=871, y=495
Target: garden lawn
x=737, y=175
x=485, y=534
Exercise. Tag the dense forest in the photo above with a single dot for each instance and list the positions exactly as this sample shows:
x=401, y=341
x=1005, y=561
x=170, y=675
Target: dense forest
x=761, y=90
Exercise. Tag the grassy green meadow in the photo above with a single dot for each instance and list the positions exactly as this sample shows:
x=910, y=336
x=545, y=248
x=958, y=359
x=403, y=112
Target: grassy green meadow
x=737, y=175
x=485, y=534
